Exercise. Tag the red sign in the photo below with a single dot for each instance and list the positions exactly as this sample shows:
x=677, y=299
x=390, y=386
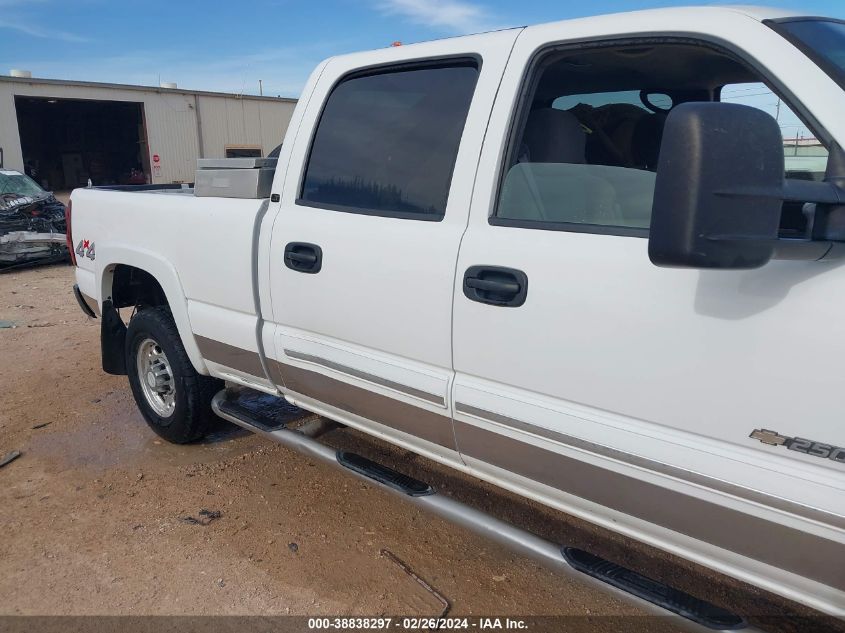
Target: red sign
x=156, y=158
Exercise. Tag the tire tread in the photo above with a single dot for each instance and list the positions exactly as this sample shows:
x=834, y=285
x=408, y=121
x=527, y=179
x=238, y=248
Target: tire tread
x=194, y=417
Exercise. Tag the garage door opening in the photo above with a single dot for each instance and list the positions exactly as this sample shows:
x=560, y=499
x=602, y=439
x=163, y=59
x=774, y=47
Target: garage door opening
x=67, y=141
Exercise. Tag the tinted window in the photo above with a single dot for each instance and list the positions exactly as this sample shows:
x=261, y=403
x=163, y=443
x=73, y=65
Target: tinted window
x=822, y=40
x=386, y=143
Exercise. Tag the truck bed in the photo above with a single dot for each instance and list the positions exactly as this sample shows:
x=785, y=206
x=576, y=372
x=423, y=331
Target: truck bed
x=200, y=250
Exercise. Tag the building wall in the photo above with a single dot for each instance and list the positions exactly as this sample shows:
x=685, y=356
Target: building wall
x=172, y=135
x=173, y=132
x=10, y=140
x=241, y=122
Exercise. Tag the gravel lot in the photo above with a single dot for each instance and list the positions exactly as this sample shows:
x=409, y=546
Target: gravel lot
x=94, y=511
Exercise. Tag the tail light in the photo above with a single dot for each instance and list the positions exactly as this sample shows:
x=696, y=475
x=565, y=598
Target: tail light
x=68, y=234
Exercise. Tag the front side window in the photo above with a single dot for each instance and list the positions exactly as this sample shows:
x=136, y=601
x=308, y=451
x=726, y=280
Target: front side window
x=805, y=156
x=387, y=142
x=585, y=150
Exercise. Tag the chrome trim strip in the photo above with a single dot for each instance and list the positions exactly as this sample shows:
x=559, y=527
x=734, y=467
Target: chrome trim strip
x=411, y=419
x=787, y=548
x=231, y=356
x=749, y=494
x=378, y=380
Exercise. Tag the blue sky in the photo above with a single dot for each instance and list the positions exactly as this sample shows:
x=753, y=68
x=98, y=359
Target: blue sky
x=229, y=46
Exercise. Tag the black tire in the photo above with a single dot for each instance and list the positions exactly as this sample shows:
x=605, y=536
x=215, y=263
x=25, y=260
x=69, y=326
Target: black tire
x=191, y=415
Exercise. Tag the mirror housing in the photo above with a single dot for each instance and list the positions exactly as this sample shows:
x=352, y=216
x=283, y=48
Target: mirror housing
x=716, y=197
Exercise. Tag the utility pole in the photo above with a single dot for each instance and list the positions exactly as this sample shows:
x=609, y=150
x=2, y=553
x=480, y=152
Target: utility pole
x=261, y=88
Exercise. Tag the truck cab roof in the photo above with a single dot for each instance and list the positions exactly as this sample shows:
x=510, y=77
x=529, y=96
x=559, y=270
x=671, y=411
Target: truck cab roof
x=623, y=21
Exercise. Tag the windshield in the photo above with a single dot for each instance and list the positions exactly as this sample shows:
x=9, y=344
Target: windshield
x=14, y=182
x=822, y=40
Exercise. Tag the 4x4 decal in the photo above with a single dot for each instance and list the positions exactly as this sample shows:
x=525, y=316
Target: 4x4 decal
x=85, y=248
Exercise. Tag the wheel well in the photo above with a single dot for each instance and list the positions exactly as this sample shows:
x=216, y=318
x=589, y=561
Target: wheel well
x=131, y=287
x=135, y=287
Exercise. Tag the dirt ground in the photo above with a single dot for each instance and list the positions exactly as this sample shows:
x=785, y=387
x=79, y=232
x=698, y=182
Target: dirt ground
x=94, y=515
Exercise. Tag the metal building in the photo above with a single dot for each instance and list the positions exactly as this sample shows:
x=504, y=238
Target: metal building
x=65, y=132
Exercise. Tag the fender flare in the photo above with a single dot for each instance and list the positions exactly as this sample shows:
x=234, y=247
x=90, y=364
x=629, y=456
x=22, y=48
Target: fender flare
x=109, y=257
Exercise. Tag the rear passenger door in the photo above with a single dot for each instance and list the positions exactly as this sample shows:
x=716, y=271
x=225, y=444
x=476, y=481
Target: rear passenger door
x=366, y=236
x=599, y=383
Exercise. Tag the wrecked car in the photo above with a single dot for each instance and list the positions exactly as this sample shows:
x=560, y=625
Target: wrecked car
x=32, y=221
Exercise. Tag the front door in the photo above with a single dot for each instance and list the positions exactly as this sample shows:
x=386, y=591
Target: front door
x=639, y=397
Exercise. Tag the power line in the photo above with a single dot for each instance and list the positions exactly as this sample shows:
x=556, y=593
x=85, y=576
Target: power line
x=756, y=94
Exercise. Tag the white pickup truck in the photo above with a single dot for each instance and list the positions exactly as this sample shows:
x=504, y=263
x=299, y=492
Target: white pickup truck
x=566, y=259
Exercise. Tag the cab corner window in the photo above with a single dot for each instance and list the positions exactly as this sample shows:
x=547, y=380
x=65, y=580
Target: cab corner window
x=387, y=141
x=586, y=146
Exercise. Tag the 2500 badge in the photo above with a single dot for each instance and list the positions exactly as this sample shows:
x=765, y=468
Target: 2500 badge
x=800, y=445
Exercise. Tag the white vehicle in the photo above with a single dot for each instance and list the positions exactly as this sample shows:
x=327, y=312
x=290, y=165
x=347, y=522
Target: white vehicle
x=549, y=257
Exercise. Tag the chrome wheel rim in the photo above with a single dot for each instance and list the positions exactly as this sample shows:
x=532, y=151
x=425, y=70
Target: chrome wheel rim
x=156, y=378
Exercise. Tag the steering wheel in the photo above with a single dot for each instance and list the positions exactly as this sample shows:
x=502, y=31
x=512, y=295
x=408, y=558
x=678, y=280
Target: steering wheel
x=645, y=98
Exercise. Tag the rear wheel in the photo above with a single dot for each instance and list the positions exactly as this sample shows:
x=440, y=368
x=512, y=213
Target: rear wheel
x=173, y=398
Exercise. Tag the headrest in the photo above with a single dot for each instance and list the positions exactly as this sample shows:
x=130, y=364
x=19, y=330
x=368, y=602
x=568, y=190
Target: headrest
x=554, y=136
x=648, y=135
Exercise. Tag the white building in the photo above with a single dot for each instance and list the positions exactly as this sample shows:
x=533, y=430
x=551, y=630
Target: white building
x=65, y=132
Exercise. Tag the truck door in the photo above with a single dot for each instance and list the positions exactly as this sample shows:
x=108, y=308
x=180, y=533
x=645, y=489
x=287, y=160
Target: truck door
x=635, y=396
x=366, y=235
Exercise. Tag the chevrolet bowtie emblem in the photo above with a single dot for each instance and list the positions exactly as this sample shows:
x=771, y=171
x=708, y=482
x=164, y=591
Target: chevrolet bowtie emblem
x=769, y=437
x=800, y=445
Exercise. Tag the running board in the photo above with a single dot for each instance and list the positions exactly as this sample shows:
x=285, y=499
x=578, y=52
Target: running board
x=384, y=475
x=690, y=613
x=671, y=599
x=260, y=410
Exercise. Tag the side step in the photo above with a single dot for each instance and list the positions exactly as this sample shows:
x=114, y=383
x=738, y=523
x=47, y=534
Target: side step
x=691, y=613
x=384, y=475
x=657, y=593
x=261, y=411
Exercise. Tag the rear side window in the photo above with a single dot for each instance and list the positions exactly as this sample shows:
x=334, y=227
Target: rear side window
x=387, y=141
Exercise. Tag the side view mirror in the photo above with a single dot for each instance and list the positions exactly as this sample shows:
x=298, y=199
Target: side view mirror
x=716, y=198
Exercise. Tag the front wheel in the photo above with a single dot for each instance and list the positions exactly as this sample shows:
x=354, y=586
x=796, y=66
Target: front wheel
x=173, y=398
